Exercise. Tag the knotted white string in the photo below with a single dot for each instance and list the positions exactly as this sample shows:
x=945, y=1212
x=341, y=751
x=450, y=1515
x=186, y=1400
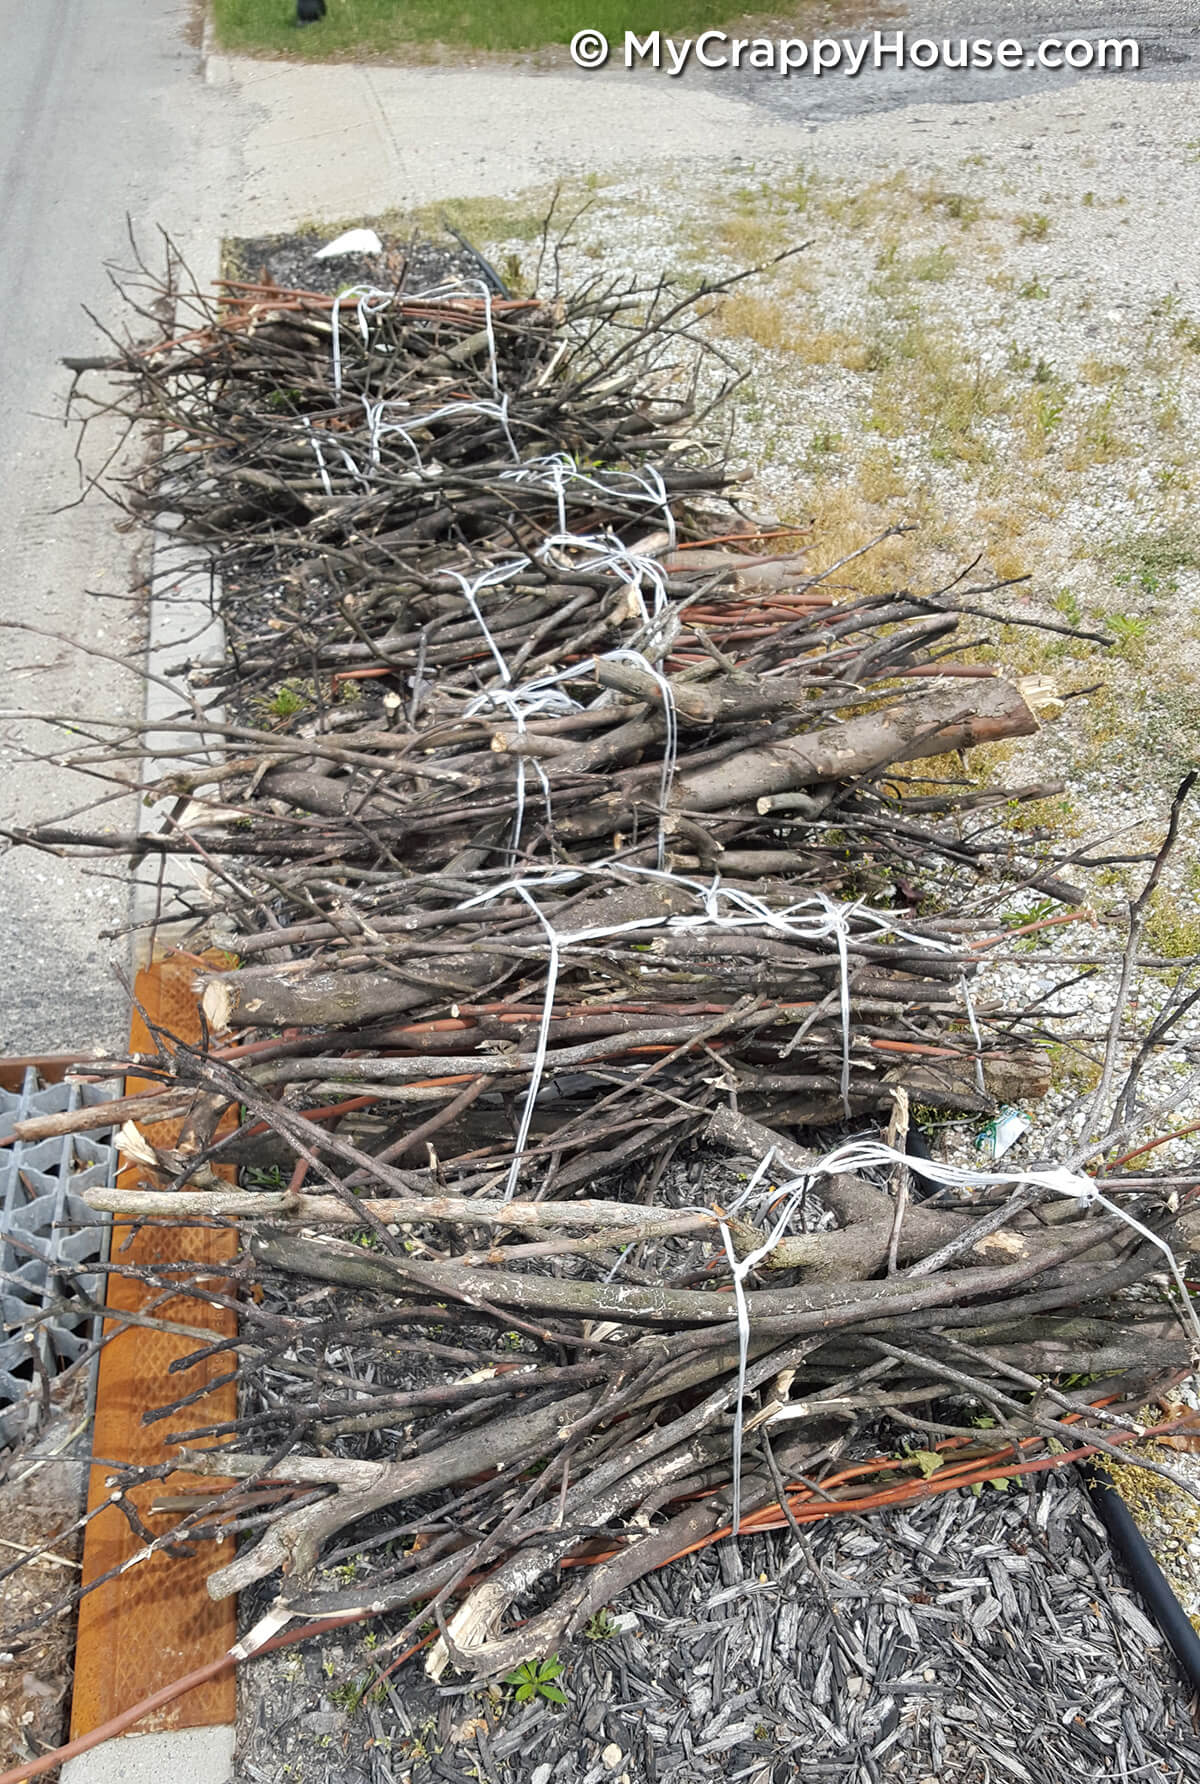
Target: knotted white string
x=863, y=1155
x=555, y=470
x=810, y=919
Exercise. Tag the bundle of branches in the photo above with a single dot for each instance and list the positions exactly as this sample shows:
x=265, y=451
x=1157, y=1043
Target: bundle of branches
x=612, y=866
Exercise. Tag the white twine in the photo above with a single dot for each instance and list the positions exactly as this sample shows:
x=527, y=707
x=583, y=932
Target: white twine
x=965, y=990
x=369, y=301
x=493, y=578
x=320, y=457
x=543, y=1040
x=531, y=698
x=817, y=917
x=810, y=919
x=378, y=428
x=554, y=470
x=739, y=1269
x=862, y=1155
x=608, y=553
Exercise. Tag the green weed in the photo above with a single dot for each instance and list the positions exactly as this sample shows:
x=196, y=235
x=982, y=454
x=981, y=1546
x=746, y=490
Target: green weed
x=535, y=1678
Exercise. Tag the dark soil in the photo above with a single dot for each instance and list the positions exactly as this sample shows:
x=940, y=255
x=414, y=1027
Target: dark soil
x=414, y=263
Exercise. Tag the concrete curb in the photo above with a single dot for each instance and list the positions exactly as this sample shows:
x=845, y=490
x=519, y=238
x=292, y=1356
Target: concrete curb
x=199, y=1755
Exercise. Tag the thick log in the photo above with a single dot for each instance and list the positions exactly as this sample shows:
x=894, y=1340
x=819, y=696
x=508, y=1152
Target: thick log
x=301, y=997
x=942, y=720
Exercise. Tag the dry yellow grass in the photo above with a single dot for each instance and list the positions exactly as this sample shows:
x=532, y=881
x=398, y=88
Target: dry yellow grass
x=786, y=325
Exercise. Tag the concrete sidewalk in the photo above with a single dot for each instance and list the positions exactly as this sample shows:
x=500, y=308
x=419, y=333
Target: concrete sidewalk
x=334, y=141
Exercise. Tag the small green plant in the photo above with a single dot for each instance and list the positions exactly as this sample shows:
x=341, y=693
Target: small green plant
x=1048, y=410
x=286, y=701
x=959, y=206
x=260, y=1177
x=600, y=1627
x=354, y=1693
x=1033, y=288
x=535, y=1678
x=1036, y=913
x=1129, y=630
x=1068, y=605
x=1033, y=227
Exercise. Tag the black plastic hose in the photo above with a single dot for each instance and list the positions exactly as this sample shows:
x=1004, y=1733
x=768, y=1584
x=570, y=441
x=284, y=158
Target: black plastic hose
x=1146, y=1576
x=917, y=1146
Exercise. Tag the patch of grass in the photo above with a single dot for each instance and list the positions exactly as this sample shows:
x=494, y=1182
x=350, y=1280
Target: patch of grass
x=930, y=388
x=1098, y=440
x=1066, y=603
x=924, y=266
x=1172, y=927
x=781, y=326
x=880, y=479
x=1042, y=411
x=1187, y=333
x=750, y=232
x=844, y=520
x=826, y=442
x=1101, y=371
x=1129, y=630
x=495, y=219
x=1071, y=1067
x=861, y=207
x=386, y=27
x=1033, y=227
x=1150, y=562
x=1168, y=410
x=958, y=205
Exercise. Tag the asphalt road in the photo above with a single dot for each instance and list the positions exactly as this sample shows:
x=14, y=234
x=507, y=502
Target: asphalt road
x=1167, y=32
x=103, y=115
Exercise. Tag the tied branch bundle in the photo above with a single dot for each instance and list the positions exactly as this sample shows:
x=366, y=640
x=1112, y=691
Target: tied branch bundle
x=564, y=829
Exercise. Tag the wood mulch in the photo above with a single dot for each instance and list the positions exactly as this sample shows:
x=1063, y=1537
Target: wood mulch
x=960, y=1640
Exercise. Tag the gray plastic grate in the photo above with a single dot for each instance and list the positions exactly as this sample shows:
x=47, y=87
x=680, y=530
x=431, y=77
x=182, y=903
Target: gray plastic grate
x=43, y=1224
